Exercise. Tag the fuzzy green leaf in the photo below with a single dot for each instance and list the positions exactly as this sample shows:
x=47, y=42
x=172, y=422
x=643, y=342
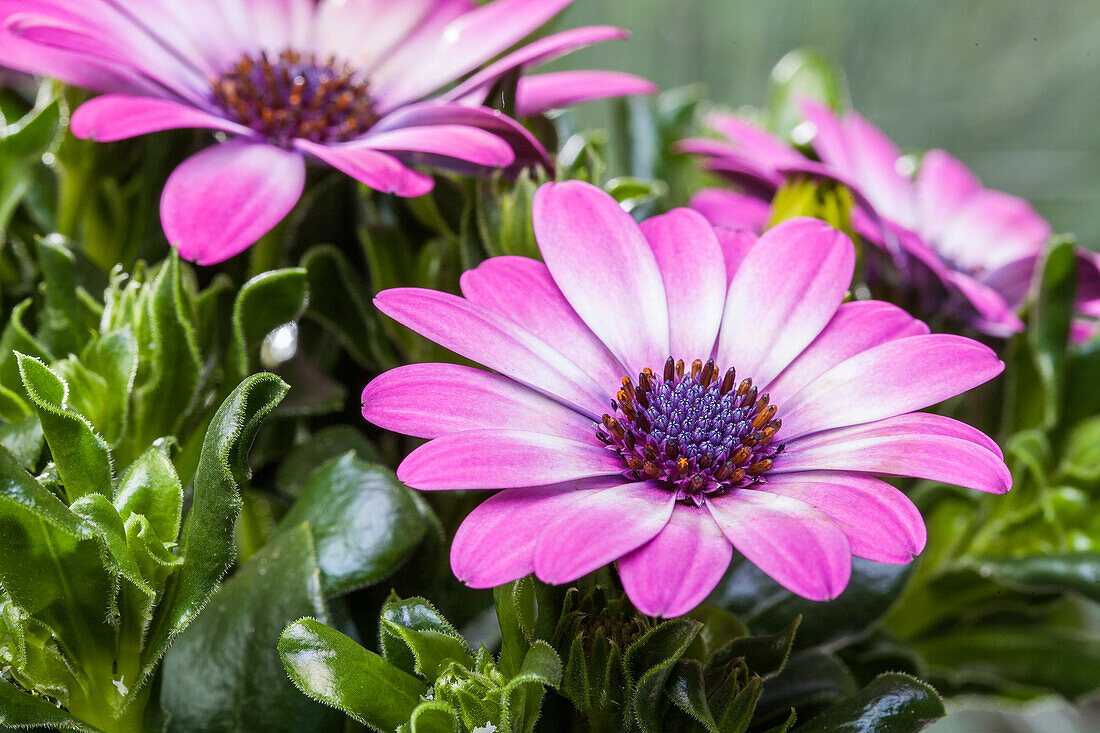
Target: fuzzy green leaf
x=330, y=667
x=83, y=458
x=264, y=303
x=151, y=488
x=649, y=662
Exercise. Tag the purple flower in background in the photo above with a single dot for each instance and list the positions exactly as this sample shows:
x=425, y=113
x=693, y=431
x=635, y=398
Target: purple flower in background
x=347, y=82
x=662, y=394
x=979, y=245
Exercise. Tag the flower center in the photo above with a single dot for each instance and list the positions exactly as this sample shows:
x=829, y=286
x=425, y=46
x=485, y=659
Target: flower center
x=296, y=96
x=693, y=432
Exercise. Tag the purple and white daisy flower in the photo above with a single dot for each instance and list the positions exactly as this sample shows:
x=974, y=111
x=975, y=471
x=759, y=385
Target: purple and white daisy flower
x=980, y=245
x=353, y=83
x=663, y=394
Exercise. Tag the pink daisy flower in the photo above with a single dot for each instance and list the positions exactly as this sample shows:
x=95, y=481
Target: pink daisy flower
x=663, y=394
x=352, y=83
x=979, y=245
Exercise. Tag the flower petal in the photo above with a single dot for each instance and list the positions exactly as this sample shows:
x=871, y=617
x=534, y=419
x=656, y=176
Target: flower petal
x=538, y=93
x=468, y=42
x=528, y=150
x=731, y=209
x=364, y=31
x=495, y=544
x=222, y=199
x=888, y=448
x=371, y=167
x=114, y=117
x=856, y=327
x=599, y=529
x=477, y=333
x=924, y=423
x=537, y=52
x=786, y=290
x=943, y=186
x=736, y=244
x=676, y=570
x=522, y=290
x=606, y=270
x=890, y=379
x=432, y=400
x=461, y=142
x=504, y=459
x=796, y=545
x=880, y=522
x=692, y=270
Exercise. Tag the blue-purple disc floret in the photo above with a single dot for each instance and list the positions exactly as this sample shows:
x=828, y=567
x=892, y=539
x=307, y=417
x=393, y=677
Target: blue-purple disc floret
x=691, y=431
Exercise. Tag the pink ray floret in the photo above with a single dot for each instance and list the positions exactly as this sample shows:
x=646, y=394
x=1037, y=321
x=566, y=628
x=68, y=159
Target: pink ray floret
x=366, y=86
x=667, y=393
x=979, y=245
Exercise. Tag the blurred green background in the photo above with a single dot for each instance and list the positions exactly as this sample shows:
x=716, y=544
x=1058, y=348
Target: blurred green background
x=1012, y=87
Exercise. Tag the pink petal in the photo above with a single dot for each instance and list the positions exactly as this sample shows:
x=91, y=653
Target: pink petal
x=495, y=543
x=540, y=93
x=830, y=141
x=692, y=270
x=994, y=315
x=880, y=522
x=944, y=185
x=606, y=270
x=599, y=529
x=411, y=50
x=371, y=167
x=992, y=229
x=117, y=117
x=432, y=400
x=736, y=244
x=364, y=31
x=222, y=199
x=477, y=333
x=796, y=545
x=856, y=327
x=675, y=571
x=528, y=150
x=461, y=142
x=522, y=290
x=504, y=459
x=753, y=141
x=952, y=454
x=890, y=379
x=102, y=35
x=732, y=210
x=877, y=172
x=787, y=289
x=467, y=43
x=537, y=52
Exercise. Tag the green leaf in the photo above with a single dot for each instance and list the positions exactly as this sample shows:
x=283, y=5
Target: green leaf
x=433, y=651
x=83, y=459
x=1052, y=313
x=765, y=655
x=33, y=134
x=1075, y=571
x=224, y=672
x=1081, y=459
x=338, y=300
x=97, y=511
x=207, y=545
x=324, y=445
x=738, y=714
x=803, y=74
x=1060, y=659
x=809, y=681
x=687, y=690
x=151, y=488
x=60, y=330
x=433, y=717
x=113, y=359
x=523, y=694
x=332, y=668
x=892, y=703
x=768, y=607
x=265, y=302
x=516, y=609
x=365, y=523
x=24, y=439
x=168, y=379
x=19, y=709
x=15, y=340
x=410, y=613
x=649, y=662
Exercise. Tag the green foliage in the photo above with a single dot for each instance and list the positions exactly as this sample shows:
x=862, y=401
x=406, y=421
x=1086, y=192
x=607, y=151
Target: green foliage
x=97, y=581
x=426, y=678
